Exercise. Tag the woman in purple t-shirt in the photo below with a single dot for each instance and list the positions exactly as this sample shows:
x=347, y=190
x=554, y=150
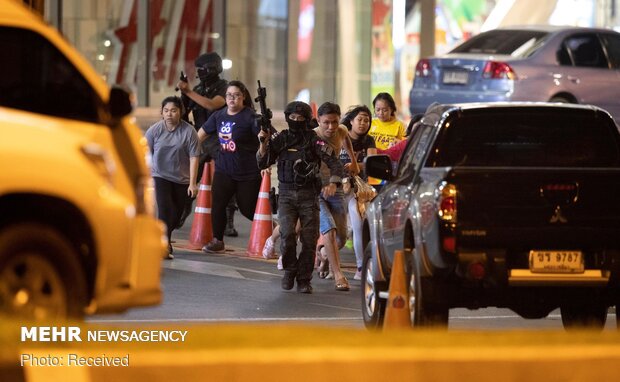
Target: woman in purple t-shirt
x=236, y=171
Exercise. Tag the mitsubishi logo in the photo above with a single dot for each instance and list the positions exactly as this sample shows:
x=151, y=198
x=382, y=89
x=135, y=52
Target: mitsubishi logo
x=558, y=216
x=558, y=195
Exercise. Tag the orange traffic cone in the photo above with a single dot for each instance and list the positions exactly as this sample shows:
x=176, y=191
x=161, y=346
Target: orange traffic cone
x=397, y=309
x=262, y=227
x=202, y=231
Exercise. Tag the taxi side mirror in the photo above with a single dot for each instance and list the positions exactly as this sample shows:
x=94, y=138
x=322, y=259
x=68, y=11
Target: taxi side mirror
x=120, y=104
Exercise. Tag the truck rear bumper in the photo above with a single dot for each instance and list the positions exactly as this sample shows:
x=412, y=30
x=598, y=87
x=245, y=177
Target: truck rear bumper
x=590, y=277
x=503, y=268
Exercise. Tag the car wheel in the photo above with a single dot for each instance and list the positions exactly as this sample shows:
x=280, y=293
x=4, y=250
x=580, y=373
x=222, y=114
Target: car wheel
x=584, y=316
x=373, y=307
x=423, y=311
x=40, y=277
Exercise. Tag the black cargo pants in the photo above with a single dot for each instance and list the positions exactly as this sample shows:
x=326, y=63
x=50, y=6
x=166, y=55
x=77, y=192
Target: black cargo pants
x=302, y=204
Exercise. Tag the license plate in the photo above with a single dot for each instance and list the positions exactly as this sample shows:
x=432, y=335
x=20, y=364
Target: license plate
x=459, y=78
x=556, y=261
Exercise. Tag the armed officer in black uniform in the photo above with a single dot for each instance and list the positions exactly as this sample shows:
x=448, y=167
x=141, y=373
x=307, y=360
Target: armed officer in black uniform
x=204, y=99
x=299, y=152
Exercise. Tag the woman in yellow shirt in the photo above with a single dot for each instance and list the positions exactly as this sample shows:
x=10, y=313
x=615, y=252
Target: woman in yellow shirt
x=386, y=129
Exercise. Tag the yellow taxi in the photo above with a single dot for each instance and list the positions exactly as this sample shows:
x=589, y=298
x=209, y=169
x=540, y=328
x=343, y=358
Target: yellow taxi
x=78, y=234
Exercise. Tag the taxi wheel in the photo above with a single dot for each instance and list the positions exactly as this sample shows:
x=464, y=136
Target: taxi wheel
x=40, y=277
x=579, y=316
x=422, y=312
x=373, y=307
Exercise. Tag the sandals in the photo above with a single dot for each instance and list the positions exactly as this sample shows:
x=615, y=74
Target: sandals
x=324, y=269
x=269, y=250
x=342, y=284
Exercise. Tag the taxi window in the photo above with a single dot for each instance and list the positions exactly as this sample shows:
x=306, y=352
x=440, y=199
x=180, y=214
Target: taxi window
x=38, y=78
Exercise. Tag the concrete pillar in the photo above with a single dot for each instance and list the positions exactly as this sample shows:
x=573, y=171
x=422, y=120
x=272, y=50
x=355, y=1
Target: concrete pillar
x=144, y=49
x=427, y=28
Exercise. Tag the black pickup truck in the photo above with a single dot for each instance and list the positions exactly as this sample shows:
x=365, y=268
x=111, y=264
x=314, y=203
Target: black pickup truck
x=505, y=205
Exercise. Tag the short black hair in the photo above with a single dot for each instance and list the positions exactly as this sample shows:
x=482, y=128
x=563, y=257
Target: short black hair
x=352, y=113
x=247, y=98
x=328, y=108
x=176, y=101
x=387, y=97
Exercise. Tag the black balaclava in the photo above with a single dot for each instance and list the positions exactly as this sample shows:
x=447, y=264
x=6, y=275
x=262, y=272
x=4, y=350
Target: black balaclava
x=302, y=109
x=208, y=67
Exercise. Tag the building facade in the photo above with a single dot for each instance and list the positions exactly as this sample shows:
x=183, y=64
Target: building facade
x=313, y=50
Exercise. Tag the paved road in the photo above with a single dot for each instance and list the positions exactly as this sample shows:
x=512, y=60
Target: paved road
x=232, y=287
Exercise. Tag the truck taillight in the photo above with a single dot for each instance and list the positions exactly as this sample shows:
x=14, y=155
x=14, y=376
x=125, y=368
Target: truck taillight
x=498, y=70
x=447, y=202
x=423, y=68
x=448, y=243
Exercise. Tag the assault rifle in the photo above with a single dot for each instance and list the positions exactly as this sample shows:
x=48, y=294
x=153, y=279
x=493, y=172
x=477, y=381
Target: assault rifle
x=265, y=113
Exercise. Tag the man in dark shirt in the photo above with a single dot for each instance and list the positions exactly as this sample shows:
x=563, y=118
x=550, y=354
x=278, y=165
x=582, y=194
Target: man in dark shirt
x=299, y=153
x=208, y=95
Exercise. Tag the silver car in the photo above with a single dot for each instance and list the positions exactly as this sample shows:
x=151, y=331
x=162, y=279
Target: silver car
x=532, y=63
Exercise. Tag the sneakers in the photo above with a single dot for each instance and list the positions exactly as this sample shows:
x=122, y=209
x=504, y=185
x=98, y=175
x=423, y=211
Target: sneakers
x=214, y=246
x=169, y=256
x=288, y=281
x=269, y=250
x=304, y=286
x=358, y=274
x=231, y=232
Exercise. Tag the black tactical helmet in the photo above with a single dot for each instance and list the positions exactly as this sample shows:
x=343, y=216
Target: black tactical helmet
x=300, y=108
x=211, y=61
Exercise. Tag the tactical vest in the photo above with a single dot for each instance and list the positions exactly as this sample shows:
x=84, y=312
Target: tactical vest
x=199, y=113
x=298, y=163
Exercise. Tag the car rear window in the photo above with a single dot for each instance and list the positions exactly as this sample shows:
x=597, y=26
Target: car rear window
x=508, y=42
x=527, y=139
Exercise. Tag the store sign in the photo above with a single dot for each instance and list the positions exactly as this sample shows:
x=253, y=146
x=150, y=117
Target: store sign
x=177, y=38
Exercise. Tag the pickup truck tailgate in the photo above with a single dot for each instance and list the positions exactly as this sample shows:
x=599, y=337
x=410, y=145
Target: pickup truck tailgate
x=537, y=207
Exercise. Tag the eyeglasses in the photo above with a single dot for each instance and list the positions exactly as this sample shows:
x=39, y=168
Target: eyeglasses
x=233, y=95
